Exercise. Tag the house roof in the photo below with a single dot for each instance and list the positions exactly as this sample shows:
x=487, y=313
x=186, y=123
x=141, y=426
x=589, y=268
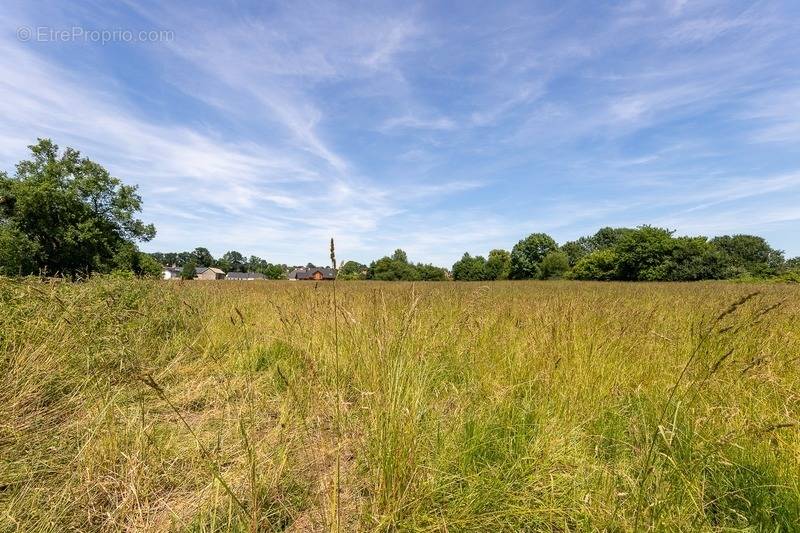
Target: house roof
x=201, y=270
x=308, y=273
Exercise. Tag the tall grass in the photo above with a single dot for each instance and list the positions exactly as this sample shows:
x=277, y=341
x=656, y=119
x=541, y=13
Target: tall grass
x=268, y=406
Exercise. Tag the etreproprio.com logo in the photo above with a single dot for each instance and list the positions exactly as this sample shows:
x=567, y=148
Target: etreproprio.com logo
x=102, y=36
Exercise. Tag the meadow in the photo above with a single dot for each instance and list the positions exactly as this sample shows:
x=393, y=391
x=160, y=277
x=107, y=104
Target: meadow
x=362, y=406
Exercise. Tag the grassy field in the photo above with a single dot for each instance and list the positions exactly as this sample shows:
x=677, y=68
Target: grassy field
x=541, y=406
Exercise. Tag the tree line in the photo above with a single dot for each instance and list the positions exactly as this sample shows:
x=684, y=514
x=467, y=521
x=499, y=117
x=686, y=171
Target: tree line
x=645, y=253
x=395, y=267
x=231, y=261
x=62, y=214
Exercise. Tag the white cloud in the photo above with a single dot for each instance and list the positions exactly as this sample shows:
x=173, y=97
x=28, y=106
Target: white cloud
x=186, y=169
x=775, y=117
x=413, y=122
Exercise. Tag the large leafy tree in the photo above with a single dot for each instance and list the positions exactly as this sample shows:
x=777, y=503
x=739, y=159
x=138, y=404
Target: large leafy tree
x=168, y=258
x=19, y=255
x=498, y=264
x=202, y=257
x=394, y=268
x=271, y=271
x=748, y=255
x=470, y=268
x=429, y=272
x=388, y=269
x=693, y=259
x=600, y=265
x=130, y=260
x=64, y=214
x=235, y=261
x=653, y=254
x=527, y=255
x=554, y=265
x=644, y=254
x=604, y=239
x=352, y=270
x=400, y=255
x=256, y=264
x=188, y=270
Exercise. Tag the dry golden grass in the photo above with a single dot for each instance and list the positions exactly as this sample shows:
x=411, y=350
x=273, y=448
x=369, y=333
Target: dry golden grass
x=542, y=406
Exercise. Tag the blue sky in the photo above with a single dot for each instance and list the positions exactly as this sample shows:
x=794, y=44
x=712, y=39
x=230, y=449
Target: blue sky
x=436, y=127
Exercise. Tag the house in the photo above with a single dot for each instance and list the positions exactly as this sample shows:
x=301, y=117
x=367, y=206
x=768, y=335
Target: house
x=171, y=272
x=313, y=274
x=208, y=273
x=244, y=276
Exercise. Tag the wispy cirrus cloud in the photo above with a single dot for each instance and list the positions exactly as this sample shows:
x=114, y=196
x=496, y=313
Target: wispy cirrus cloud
x=774, y=116
x=416, y=122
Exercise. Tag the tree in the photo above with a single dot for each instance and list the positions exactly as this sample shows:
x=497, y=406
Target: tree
x=235, y=261
x=352, y=270
x=255, y=264
x=129, y=259
x=600, y=265
x=554, y=265
x=428, y=272
x=498, y=265
x=749, y=255
x=643, y=254
x=394, y=268
x=147, y=267
x=692, y=259
x=272, y=271
x=202, y=257
x=652, y=254
x=18, y=253
x=791, y=270
x=388, y=269
x=528, y=253
x=400, y=255
x=65, y=214
x=575, y=251
x=169, y=258
x=221, y=264
x=605, y=238
x=470, y=268
x=188, y=270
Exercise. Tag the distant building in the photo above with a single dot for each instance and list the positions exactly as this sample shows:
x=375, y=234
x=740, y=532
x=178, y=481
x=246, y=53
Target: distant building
x=171, y=272
x=244, y=276
x=312, y=274
x=208, y=273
